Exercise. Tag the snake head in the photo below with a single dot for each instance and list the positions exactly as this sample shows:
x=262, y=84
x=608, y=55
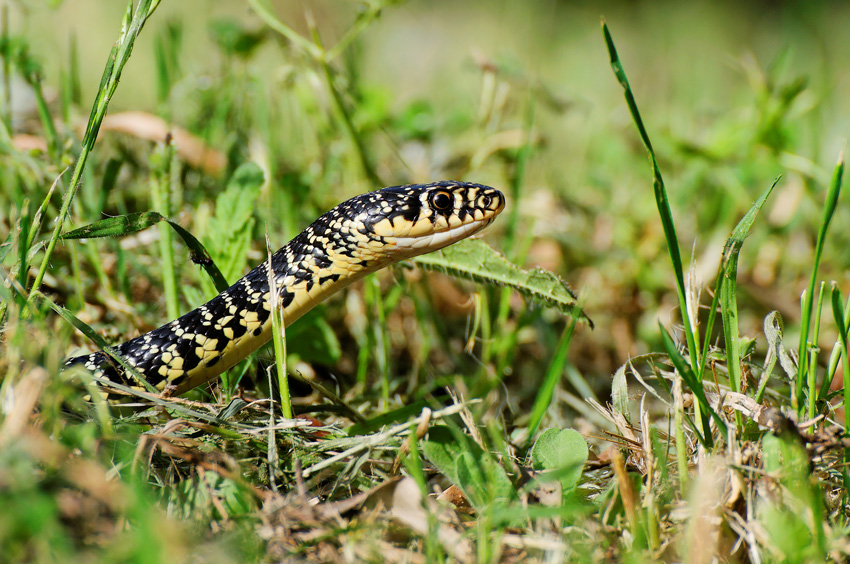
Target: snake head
x=419, y=218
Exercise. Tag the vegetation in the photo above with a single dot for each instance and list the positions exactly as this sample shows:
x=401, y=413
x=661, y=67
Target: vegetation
x=459, y=407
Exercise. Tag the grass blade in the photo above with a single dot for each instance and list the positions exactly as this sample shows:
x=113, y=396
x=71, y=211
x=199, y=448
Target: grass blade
x=278, y=338
x=550, y=380
x=380, y=339
x=101, y=344
x=7, y=69
x=829, y=208
x=841, y=322
x=728, y=293
x=696, y=387
x=162, y=162
x=117, y=226
x=661, y=200
x=266, y=13
x=32, y=73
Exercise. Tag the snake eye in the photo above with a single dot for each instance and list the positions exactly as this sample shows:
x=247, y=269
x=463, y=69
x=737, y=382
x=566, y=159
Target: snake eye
x=441, y=200
x=485, y=201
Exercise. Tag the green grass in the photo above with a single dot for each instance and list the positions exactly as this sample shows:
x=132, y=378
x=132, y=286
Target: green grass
x=463, y=374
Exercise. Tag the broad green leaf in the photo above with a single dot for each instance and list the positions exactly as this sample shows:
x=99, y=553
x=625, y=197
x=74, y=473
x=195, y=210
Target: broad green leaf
x=787, y=533
x=236, y=499
x=473, y=259
x=519, y=512
x=783, y=459
x=231, y=228
x=480, y=477
x=194, y=497
x=237, y=201
x=441, y=450
x=484, y=482
x=561, y=448
x=788, y=519
x=313, y=339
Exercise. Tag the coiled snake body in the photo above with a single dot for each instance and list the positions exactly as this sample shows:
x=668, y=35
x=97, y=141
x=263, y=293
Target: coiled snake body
x=359, y=236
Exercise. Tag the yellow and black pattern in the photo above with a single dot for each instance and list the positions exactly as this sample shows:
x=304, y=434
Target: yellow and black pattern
x=359, y=236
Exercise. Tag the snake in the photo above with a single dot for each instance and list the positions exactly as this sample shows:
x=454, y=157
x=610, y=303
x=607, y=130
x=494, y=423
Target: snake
x=357, y=237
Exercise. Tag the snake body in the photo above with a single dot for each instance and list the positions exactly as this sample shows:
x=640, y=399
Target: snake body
x=357, y=237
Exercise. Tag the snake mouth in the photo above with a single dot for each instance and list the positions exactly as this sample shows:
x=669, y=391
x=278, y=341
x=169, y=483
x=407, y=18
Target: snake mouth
x=439, y=239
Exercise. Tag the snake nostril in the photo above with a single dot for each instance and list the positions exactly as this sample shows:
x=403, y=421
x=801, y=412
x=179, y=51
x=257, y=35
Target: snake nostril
x=485, y=201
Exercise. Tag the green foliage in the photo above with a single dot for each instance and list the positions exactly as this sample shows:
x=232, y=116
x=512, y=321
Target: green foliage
x=484, y=482
x=727, y=280
x=231, y=228
x=543, y=401
x=211, y=495
x=561, y=449
x=803, y=375
x=416, y=121
x=131, y=26
x=794, y=521
x=313, y=339
x=122, y=225
x=475, y=260
x=235, y=39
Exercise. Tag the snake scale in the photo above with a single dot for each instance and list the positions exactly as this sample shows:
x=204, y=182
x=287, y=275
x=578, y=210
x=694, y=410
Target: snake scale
x=357, y=237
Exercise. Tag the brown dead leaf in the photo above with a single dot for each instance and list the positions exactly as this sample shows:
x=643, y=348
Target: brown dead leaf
x=25, y=143
x=408, y=508
x=625, y=488
x=453, y=495
x=145, y=125
x=21, y=398
x=548, y=493
x=381, y=494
